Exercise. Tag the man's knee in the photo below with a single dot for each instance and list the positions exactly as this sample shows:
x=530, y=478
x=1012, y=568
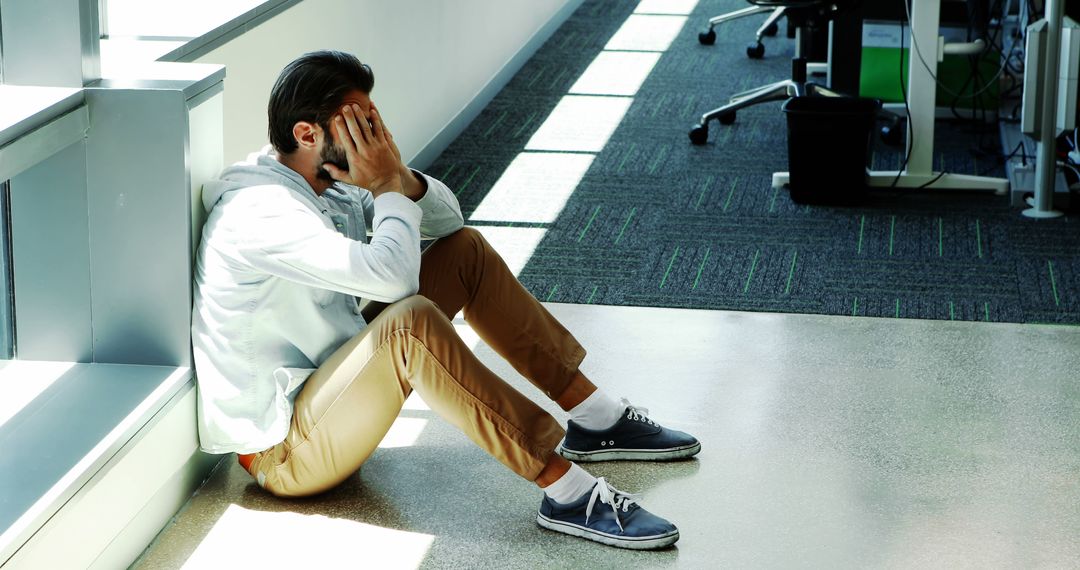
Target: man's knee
x=412, y=308
x=417, y=304
x=418, y=315
x=466, y=239
x=466, y=233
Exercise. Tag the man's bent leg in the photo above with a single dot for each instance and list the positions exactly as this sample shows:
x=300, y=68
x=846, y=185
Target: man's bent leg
x=463, y=271
x=347, y=406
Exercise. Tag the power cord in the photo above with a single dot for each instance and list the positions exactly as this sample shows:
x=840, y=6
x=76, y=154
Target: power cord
x=932, y=180
x=907, y=108
x=976, y=76
x=1070, y=167
x=1074, y=153
x=1020, y=148
x=918, y=53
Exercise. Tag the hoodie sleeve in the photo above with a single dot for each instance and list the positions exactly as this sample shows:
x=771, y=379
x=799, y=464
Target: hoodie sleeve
x=286, y=239
x=440, y=211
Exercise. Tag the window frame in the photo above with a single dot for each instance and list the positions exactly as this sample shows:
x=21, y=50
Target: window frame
x=7, y=283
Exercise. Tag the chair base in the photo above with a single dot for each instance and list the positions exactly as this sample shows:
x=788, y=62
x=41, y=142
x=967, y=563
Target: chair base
x=755, y=50
x=779, y=91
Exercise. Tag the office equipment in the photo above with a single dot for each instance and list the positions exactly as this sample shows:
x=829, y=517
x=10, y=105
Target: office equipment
x=964, y=80
x=1065, y=80
x=1046, y=159
x=918, y=172
x=755, y=50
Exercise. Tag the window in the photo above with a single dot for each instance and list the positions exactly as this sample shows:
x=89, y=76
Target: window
x=94, y=281
x=161, y=19
x=1, y=49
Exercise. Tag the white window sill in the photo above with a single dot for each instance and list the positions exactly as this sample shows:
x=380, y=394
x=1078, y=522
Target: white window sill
x=22, y=109
x=141, y=31
x=63, y=423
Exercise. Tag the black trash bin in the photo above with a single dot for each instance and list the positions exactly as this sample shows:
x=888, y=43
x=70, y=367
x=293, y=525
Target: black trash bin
x=829, y=147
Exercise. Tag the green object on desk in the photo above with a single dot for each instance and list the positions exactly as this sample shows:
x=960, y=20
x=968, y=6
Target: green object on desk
x=879, y=75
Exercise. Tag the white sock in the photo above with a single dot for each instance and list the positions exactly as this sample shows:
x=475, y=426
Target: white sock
x=598, y=411
x=571, y=486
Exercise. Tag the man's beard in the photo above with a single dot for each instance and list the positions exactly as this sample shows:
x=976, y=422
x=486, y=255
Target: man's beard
x=335, y=155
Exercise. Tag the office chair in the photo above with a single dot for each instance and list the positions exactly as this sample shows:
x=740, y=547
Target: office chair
x=755, y=50
x=803, y=14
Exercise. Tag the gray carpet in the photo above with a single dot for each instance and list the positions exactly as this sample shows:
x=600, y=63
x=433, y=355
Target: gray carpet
x=656, y=221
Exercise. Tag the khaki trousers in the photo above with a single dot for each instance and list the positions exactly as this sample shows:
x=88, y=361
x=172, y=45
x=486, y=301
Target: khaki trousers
x=347, y=405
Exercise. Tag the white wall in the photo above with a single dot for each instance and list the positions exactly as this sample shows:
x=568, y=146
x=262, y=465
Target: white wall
x=431, y=58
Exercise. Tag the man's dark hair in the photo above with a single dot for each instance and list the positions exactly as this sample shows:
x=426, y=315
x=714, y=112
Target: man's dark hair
x=311, y=89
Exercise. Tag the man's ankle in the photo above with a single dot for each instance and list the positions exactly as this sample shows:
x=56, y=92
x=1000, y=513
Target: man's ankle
x=556, y=467
x=597, y=412
x=577, y=391
x=571, y=486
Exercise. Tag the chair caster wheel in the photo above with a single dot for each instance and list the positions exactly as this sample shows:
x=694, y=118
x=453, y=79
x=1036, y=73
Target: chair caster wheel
x=699, y=135
x=727, y=118
x=707, y=38
x=892, y=135
x=755, y=50
x=771, y=30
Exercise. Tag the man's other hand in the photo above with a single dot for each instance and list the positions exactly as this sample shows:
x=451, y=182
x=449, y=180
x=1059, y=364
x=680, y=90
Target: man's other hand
x=412, y=185
x=390, y=138
x=373, y=162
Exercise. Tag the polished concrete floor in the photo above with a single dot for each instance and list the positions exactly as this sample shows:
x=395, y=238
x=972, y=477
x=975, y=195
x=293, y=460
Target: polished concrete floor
x=827, y=442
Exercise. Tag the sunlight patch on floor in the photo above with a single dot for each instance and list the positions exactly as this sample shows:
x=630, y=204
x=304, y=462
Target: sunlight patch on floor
x=681, y=7
x=616, y=73
x=643, y=32
x=515, y=245
x=404, y=432
x=534, y=188
x=415, y=403
x=244, y=538
x=580, y=124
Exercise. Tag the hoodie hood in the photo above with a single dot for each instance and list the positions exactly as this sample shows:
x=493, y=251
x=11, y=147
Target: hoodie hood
x=259, y=169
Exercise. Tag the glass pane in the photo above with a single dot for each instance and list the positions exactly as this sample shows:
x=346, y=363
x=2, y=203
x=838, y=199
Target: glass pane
x=161, y=19
x=1, y=48
x=7, y=289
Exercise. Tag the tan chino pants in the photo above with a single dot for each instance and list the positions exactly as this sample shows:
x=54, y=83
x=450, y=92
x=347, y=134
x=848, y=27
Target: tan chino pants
x=347, y=405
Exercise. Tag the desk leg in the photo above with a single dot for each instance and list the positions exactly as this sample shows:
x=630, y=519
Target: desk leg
x=922, y=100
x=922, y=90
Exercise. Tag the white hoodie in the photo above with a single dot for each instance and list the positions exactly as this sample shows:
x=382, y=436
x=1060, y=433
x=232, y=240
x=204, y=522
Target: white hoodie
x=277, y=278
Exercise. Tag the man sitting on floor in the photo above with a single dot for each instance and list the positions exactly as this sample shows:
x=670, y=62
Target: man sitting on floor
x=295, y=380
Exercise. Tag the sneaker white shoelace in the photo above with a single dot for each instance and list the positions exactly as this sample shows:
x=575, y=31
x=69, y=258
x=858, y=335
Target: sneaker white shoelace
x=637, y=413
x=610, y=496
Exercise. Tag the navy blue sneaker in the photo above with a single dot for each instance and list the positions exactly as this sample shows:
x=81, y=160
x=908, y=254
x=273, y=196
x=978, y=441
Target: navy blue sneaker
x=625, y=524
x=634, y=436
